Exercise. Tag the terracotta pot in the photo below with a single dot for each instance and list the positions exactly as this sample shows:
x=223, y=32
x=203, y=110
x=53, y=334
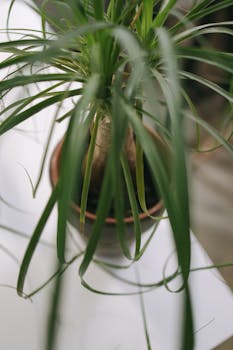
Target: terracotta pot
x=108, y=244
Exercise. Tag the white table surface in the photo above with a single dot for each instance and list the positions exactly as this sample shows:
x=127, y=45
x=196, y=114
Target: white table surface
x=87, y=320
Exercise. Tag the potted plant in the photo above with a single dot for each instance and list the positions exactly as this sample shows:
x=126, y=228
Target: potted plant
x=122, y=63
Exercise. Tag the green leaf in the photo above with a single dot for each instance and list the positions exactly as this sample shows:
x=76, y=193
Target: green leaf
x=102, y=212
x=14, y=120
x=115, y=9
x=179, y=217
x=147, y=17
x=59, y=271
x=133, y=204
x=72, y=156
x=119, y=127
x=4, y=46
x=215, y=87
x=200, y=11
x=103, y=292
x=25, y=80
x=14, y=61
x=88, y=170
x=140, y=177
x=99, y=9
x=188, y=325
x=164, y=12
x=51, y=329
x=223, y=60
x=205, y=8
x=9, y=12
x=212, y=131
x=136, y=58
x=207, y=28
x=24, y=102
x=34, y=241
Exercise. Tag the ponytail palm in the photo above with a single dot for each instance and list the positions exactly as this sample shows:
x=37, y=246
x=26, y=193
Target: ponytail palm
x=119, y=63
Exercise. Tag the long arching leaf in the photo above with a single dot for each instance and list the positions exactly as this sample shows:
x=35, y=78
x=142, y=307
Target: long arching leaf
x=34, y=241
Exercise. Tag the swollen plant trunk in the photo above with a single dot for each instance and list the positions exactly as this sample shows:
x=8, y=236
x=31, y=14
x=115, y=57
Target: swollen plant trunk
x=101, y=150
